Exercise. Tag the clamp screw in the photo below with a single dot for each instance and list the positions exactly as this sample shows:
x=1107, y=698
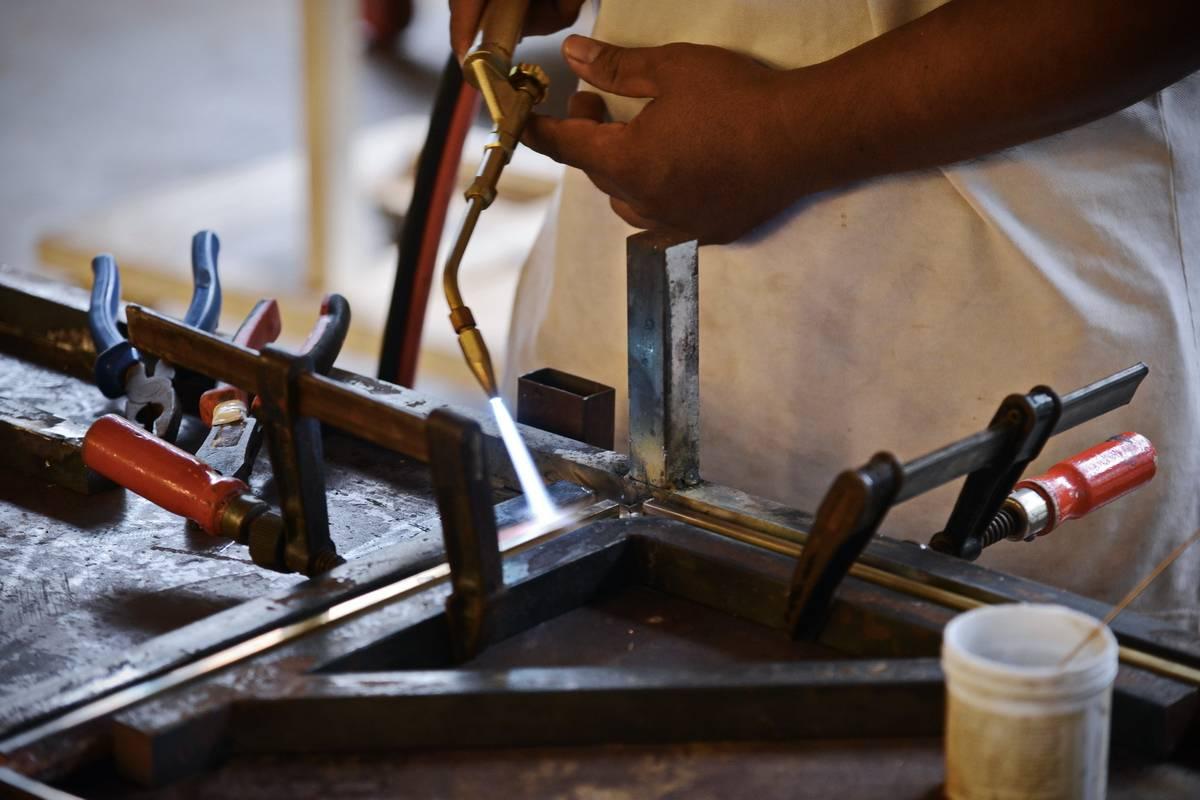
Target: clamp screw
x=324, y=561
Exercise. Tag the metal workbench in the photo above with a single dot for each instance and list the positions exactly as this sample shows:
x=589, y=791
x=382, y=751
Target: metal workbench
x=106, y=596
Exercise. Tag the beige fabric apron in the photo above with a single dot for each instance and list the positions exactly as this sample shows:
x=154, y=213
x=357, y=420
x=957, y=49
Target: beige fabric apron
x=895, y=315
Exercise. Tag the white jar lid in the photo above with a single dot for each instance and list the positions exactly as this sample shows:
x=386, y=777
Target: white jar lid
x=1016, y=651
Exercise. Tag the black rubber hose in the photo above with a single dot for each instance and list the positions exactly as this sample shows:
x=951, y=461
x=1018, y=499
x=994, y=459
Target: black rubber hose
x=416, y=219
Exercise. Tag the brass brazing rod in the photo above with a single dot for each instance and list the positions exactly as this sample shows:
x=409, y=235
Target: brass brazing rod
x=336, y=404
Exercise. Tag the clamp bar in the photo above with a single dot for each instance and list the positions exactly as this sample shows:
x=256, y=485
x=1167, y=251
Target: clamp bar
x=976, y=451
x=336, y=404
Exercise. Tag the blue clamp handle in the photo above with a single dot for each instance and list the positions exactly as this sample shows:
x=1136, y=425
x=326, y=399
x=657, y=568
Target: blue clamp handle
x=205, y=308
x=115, y=354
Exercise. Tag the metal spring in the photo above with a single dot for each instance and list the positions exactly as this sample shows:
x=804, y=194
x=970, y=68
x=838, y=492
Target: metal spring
x=1001, y=527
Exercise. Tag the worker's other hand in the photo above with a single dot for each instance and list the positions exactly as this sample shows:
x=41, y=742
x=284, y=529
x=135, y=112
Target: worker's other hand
x=543, y=17
x=706, y=157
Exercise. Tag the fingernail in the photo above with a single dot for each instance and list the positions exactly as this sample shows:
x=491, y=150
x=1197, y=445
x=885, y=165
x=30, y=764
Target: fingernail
x=581, y=49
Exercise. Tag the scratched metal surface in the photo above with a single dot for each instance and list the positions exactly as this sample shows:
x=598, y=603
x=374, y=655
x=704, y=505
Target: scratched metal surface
x=84, y=578
x=900, y=769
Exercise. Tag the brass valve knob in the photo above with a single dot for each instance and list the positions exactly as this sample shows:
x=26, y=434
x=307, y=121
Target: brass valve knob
x=530, y=76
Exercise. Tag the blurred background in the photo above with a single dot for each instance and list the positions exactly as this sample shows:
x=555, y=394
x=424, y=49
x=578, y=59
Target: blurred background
x=289, y=127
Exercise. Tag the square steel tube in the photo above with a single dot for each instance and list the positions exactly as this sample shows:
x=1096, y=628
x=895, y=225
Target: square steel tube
x=567, y=405
x=663, y=284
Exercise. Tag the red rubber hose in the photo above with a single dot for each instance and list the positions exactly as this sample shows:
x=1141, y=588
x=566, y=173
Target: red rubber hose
x=447, y=177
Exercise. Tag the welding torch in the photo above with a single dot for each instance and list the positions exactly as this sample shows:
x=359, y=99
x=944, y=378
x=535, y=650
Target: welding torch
x=510, y=93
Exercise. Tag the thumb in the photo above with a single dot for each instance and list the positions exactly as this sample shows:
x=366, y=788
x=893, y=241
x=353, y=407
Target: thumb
x=627, y=71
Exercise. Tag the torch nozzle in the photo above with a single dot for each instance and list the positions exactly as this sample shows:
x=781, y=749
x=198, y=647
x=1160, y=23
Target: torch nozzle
x=478, y=359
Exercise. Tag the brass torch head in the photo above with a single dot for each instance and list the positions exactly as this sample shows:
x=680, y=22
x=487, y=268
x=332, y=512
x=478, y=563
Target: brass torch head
x=478, y=359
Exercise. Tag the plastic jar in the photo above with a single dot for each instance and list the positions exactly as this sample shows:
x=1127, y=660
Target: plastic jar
x=1019, y=722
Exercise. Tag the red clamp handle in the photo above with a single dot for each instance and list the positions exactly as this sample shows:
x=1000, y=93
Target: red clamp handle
x=159, y=471
x=261, y=327
x=1095, y=477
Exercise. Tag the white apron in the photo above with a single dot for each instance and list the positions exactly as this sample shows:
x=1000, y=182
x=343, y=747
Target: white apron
x=895, y=315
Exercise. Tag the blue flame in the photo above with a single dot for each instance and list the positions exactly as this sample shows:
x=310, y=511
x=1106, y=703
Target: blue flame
x=540, y=505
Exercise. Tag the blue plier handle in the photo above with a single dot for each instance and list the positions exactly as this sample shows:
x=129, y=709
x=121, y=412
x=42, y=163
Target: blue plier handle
x=115, y=354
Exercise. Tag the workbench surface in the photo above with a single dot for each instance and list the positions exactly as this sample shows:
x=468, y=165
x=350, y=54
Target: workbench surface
x=865, y=770
x=87, y=577
x=91, y=578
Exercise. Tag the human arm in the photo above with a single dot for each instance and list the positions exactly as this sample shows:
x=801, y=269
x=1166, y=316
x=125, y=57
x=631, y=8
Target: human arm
x=727, y=143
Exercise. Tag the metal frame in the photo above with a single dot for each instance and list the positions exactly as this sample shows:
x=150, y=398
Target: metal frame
x=393, y=678
x=394, y=416
x=399, y=660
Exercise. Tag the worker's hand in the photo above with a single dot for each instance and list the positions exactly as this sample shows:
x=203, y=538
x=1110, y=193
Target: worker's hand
x=543, y=17
x=706, y=157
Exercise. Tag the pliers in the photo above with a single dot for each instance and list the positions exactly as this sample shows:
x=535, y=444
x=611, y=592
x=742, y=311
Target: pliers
x=234, y=439
x=150, y=398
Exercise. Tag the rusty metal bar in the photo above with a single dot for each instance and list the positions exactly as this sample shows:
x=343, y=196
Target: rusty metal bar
x=599, y=705
x=192, y=348
x=978, y=586
x=45, y=322
x=47, y=447
x=664, y=360
x=358, y=413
